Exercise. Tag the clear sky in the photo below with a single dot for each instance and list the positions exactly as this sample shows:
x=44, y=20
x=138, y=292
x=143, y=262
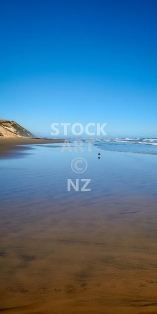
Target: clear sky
x=79, y=61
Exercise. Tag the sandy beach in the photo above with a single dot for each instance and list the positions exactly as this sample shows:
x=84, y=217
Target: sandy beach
x=9, y=146
x=58, y=261
x=72, y=253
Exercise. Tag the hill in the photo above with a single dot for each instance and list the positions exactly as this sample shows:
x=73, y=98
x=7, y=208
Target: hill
x=12, y=129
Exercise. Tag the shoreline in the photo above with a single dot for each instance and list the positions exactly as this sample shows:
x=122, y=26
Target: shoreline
x=10, y=145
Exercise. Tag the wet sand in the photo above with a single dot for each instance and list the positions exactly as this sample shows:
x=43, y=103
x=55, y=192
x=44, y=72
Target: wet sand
x=77, y=254
x=10, y=146
x=99, y=259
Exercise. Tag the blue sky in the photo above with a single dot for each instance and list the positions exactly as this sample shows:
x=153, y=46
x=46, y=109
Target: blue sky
x=80, y=61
